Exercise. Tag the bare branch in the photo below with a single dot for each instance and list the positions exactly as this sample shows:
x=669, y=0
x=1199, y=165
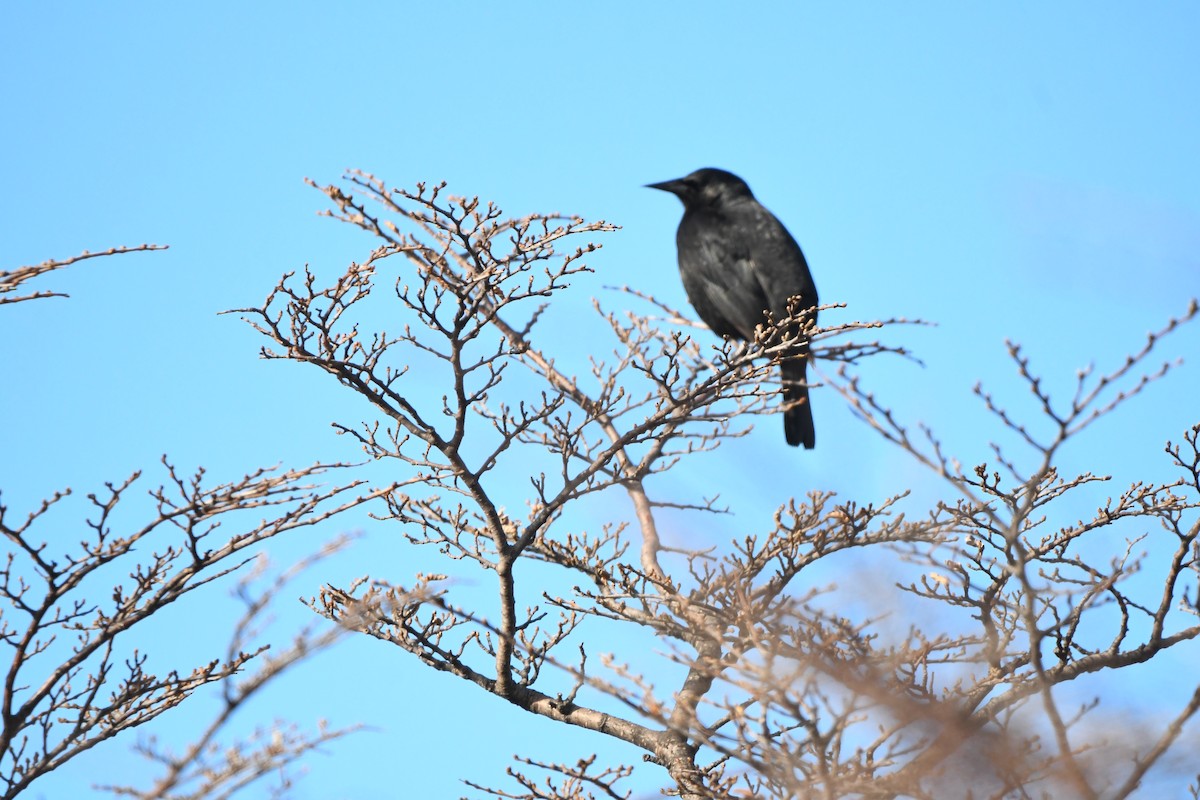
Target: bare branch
x=11, y=280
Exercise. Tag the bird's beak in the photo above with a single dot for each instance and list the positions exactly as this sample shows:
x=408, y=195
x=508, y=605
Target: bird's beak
x=675, y=187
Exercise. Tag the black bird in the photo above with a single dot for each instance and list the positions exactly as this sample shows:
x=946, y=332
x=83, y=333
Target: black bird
x=738, y=263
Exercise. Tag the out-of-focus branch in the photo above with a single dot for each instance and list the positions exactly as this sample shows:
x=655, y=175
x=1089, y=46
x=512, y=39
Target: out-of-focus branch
x=209, y=768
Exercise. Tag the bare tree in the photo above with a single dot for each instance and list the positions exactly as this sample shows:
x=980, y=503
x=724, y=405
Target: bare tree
x=776, y=695
x=770, y=687
x=76, y=674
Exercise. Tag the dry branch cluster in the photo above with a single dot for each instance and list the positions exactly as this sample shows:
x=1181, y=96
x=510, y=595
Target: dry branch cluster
x=76, y=677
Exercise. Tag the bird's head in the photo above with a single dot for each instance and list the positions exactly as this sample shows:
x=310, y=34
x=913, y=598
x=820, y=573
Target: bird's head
x=705, y=187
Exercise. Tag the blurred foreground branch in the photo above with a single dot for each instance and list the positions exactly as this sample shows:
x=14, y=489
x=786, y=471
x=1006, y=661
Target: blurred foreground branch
x=208, y=767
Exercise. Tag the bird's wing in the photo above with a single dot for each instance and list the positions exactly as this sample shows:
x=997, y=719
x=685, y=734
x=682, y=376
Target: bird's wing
x=720, y=276
x=778, y=263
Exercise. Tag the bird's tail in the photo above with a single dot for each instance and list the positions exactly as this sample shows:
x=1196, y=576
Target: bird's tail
x=797, y=415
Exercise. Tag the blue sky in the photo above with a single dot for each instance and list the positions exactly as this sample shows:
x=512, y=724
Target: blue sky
x=1019, y=171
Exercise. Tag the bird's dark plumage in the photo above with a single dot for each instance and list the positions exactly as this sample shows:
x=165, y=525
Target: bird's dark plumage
x=738, y=263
